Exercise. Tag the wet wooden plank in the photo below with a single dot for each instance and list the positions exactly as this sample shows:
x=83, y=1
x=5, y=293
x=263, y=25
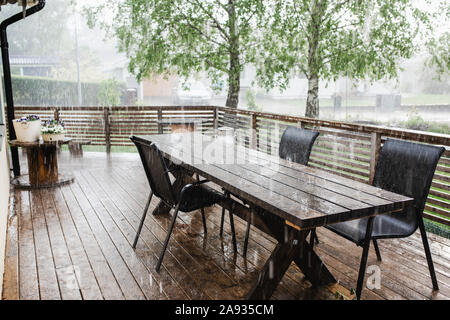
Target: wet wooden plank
x=28, y=278
x=122, y=274
x=65, y=271
x=98, y=261
x=149, y=246
x=208, y=266
x=48, y=281
x=122, y=233
x=85, y=276
x=10, y=276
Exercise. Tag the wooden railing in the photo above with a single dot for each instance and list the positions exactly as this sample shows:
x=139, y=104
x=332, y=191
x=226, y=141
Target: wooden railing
x=347, y=149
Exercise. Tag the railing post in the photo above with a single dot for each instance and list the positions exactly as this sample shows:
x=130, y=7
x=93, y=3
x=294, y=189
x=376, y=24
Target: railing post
x=374, y=152
x=254, y=136
x=301, y=124
x=160, y=127
x=106, y=112
x=56, y=113
x=215, y=118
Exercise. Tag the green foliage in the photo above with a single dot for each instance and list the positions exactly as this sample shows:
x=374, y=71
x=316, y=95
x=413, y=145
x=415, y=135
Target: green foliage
x=326, y=39
x=250, y=96
x=37, y=91
x=416, y=122
x=110, y=92
x=184, y=37
x=439, y=46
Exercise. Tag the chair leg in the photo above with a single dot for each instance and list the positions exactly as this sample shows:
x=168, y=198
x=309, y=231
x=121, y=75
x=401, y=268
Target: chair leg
x=247, y=235
x=141, y=223
x=377, y=249
x=233, y=233
x=166, y=242
x=203, y=212
x=204, y=221
x=362, y=266
x=426, y=247
x=222, y=220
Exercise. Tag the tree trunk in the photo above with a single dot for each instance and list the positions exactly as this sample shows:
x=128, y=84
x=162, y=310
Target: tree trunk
x=234, y=83
x=312, y=101
x=234, y=71
x=314, y=60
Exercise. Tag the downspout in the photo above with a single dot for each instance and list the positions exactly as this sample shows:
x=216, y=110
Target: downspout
x=7, y=77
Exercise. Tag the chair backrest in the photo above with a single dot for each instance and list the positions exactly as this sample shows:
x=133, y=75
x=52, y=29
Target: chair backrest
x=407, y=168
x=296, y=144
x=156, y=170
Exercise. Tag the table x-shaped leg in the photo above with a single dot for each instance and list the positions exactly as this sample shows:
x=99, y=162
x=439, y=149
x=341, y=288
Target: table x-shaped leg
x=292, y=246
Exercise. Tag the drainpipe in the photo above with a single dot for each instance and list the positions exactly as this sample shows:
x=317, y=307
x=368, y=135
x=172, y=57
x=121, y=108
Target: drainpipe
x=7, y=77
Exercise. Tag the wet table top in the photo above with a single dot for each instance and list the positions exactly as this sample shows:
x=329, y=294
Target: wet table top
x=304, y=196
x=40, y=142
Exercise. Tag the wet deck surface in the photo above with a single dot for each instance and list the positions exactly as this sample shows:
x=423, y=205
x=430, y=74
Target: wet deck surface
x=74, y=242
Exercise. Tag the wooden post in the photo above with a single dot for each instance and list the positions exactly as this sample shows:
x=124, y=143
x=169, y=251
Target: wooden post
x=56, y=113
x=374, y=152
x=56, y=117
x=254, y=136
x=107, y=129
x=215, y=118
x=301, y=124
x=160, y=127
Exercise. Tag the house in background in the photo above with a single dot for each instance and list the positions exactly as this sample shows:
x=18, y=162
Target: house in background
x=120, y=73
x=38, y=66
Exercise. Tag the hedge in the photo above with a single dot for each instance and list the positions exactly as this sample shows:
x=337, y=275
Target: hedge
x=38, y=91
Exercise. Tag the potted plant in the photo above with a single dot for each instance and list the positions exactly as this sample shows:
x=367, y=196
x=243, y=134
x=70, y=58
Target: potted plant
x=28, y=129
x=52, y=130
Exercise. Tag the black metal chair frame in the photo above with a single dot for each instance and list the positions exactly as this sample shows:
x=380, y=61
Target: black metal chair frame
x=172, y=204
x=365, y=244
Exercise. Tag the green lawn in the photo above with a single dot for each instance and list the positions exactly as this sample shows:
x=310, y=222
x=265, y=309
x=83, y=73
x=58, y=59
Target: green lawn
x=421, y=99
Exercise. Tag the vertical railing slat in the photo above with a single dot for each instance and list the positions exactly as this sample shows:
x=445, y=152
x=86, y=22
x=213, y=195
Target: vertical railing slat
x=106, y=122
x=375, y=146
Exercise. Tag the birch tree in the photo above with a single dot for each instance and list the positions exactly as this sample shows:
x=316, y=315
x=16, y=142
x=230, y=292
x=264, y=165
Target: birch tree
x=185, y=36
x=326, y=39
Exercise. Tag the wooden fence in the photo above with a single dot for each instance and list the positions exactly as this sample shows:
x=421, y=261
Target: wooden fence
x=347, y=149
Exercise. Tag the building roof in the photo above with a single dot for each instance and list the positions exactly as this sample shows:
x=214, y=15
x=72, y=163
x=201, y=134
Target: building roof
x=33, y=60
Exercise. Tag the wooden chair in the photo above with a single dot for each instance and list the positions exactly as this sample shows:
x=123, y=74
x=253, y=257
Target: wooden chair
x=295, y=145
x=191, y=197
x=405, y=168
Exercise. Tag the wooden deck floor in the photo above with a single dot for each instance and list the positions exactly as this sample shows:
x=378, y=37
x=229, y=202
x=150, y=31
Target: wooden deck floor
x=74, y=242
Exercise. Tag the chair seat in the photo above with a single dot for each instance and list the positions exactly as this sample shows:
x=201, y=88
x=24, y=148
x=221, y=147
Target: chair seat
x=199, y=196
x=384, y=226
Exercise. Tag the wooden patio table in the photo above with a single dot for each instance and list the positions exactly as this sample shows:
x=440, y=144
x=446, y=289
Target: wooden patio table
x=286, y=200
